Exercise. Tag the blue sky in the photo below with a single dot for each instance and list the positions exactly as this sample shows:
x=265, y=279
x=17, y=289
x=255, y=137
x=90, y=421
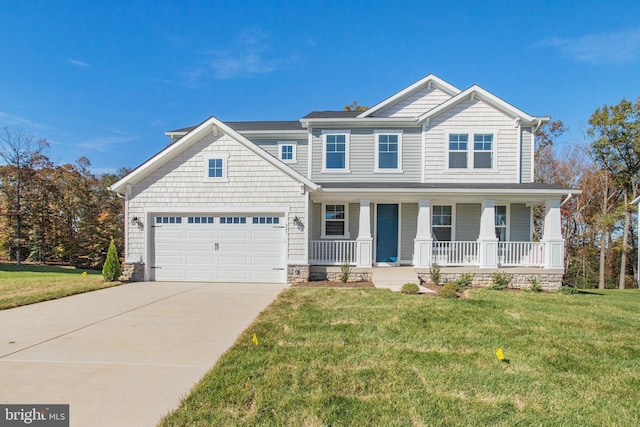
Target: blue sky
x=105, y=80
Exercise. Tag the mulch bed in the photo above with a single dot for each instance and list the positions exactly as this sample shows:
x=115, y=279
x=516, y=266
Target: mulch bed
x=329, y=284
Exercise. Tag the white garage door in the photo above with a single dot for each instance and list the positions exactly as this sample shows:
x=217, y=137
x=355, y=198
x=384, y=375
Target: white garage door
x=229, y=248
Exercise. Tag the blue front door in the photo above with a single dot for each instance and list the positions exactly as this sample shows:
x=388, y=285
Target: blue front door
x=387, y=234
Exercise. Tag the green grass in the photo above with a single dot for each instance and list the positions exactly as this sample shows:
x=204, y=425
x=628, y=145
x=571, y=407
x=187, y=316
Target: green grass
x=28, y=284
x=370, y=357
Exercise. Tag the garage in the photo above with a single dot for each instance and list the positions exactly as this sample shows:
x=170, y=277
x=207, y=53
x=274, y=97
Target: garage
x=218, y=248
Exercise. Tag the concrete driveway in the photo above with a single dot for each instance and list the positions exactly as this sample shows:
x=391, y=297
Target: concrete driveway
x=124, y=355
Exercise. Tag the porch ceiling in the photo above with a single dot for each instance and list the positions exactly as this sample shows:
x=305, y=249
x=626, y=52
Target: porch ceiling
x=410, y=192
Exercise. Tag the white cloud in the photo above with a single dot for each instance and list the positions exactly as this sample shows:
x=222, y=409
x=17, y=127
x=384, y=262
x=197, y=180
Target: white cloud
x=78, y=63
x=7, y=119
x=597, y=48
x=106, y=144
x=250, y=56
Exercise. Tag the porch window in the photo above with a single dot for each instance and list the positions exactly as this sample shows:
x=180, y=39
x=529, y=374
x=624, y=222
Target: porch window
x=388, y=151
x=335, y=221
x=441, y=220
x=501, y=223
x=482, y=151
x=458, y=147
x=336, y=152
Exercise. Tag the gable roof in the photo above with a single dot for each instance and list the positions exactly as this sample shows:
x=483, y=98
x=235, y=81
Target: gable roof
x=427, y=81
x=194, y=135
x=487, y=97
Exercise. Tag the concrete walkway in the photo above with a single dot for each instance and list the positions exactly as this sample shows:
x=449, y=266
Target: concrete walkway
x=394, y=277
x=124, y=355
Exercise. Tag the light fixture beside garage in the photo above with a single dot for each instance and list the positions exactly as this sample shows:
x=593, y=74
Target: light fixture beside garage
x=298, y=222
x=137, y=222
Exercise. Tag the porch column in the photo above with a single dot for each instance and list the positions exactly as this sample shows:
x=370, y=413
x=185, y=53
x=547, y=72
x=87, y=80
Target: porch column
x=364, y=242
x=423, y=243
x=552, y=235
x=487, y=241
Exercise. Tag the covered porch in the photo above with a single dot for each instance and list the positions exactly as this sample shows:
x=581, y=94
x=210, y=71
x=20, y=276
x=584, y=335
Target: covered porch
x=471, y=227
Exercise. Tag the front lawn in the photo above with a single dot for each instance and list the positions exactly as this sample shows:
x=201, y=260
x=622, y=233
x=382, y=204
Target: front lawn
x=28, y=283
x=370, y=357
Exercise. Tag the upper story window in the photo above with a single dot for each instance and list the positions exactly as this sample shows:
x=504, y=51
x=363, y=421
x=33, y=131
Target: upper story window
x=501, y=223
x=442, y=223
x=388, y=151
x=335, y=221
x=463, y=155
x=483, y=151
x=458, y=150
x=287, y=152
x=215, y=167
x=336, y=152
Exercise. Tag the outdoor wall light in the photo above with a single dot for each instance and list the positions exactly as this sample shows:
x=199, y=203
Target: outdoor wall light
x=136, y=221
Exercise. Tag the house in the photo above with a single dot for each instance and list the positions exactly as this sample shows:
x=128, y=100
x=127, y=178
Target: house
x=430, y=175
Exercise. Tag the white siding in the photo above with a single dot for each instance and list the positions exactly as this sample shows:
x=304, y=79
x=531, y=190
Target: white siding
x=468, y=221
x=520, y=223
x=468, y=117
x=408, y=230
x=180, y=185
x=415, y=104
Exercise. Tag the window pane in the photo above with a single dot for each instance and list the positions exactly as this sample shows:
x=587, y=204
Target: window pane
x=334, y=212
x=287, y=152
x=501, y=216
x=501, y=233
x=482, y=160
x=442, y=234
x=483, y=142
x=215, y=168
x=335, y=228
x=457, y=160
x=388, y=160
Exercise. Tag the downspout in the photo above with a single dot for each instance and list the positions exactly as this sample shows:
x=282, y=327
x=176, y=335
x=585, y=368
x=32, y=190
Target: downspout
x=569, y=196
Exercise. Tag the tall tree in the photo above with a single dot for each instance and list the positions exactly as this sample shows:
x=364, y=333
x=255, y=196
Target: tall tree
x=615, y=147
x=22, y=154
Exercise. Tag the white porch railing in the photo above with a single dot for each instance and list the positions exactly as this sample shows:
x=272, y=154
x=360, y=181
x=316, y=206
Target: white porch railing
x=333, y=252
x=455, y=253
x=521, y=254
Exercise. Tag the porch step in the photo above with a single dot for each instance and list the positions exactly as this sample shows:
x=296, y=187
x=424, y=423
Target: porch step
x=394, y=277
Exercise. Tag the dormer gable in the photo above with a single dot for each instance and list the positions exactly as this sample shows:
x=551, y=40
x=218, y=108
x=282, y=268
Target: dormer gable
x=414, y=100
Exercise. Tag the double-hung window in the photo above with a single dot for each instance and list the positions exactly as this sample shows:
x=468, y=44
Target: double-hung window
x=388, y=151
x=482, y=151
x=287, y=152
x=336, y=152
x=458, y=150
x=501, y=223
x=441, y=223
x=335, y=221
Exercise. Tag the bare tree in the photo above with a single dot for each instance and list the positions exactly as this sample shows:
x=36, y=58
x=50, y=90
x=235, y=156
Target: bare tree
x=21, y=153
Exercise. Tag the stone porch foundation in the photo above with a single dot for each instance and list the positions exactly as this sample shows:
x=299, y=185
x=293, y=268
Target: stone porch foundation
x=521, y=277
x=132, y=272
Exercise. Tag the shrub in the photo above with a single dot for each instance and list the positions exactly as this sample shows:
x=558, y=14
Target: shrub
x=410, y=288
x=345, y=272
x=434, y=273
x=535, y=285
x=463, y=281
x=500, y=280
x=111, y=269
x=449, y=290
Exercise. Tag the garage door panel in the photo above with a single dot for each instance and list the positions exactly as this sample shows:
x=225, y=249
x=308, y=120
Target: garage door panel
x=219, y=250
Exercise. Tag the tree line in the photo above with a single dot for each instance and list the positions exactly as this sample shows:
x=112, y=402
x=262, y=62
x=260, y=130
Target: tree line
x=54, y=213
x=598, y=225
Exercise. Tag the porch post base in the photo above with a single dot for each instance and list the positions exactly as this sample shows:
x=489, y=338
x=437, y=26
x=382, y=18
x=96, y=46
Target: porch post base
x=364, y=251
x=423, y=250
x=553, y=253
x=488, y=252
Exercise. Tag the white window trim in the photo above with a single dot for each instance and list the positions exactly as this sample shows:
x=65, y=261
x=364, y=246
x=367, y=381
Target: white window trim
x=346, y=234
x=347, y=148
x=294, y=151
x=470, y=151
x=453, y=218
x=211, y=156
x=376, y=168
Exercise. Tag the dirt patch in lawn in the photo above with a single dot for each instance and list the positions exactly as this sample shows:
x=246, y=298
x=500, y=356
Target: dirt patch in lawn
x=329, y=284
